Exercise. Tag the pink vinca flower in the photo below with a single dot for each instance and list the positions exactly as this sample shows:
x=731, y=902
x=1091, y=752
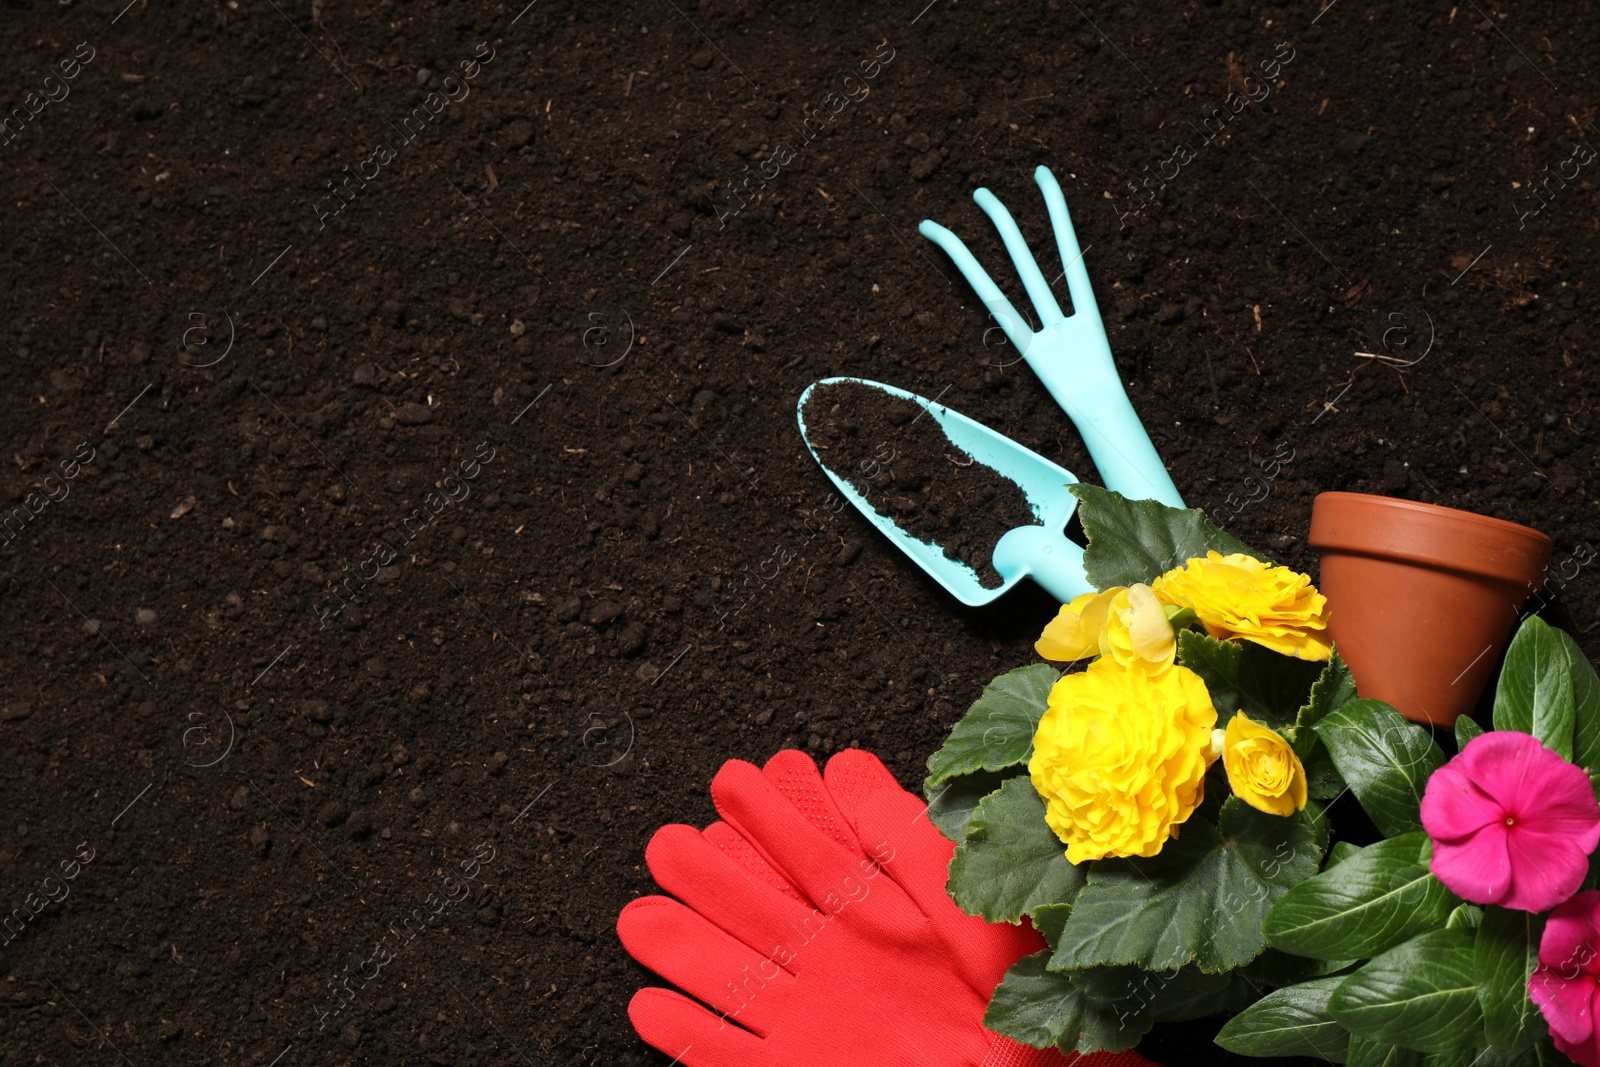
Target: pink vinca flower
x=1566, y=983
x=1512, y=822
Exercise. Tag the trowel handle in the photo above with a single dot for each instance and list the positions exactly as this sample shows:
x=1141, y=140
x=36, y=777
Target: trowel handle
x=1046, y=556
x=1099, y=408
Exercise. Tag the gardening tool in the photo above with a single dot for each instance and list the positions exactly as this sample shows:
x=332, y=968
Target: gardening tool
x=1071, y=355
x=1073, y=358
x=1040, y=552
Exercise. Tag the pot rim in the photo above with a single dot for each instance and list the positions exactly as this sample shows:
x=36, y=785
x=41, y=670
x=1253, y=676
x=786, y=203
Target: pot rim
x=1466, y=536
x=1437, y=511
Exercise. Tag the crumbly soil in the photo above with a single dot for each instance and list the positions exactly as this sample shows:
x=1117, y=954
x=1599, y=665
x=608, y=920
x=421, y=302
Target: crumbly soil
x=456, y=497
x=900, y=461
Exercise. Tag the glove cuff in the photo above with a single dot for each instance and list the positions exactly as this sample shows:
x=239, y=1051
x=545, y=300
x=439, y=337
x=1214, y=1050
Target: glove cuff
x=1008, y=1053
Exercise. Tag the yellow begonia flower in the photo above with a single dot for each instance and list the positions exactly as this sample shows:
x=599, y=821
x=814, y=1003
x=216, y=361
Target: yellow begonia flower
x=1120, y=758
x=1127, y=624
x=1263, y=770
x=1239, y=596
x=1075, y=631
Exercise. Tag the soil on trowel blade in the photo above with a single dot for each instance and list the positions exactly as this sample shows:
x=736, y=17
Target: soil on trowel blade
x=911, y=473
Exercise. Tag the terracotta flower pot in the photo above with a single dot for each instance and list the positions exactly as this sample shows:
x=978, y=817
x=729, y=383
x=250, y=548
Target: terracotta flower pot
x=1422, y=599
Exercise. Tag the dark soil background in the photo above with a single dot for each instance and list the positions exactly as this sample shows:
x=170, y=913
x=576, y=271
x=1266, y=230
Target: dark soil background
x=546, y=323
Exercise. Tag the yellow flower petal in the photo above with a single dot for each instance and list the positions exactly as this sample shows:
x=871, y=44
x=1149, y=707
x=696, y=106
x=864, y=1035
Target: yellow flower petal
x=1120, y=757
x=1075, y=631
x=1150, y=632
x=1238, y=596
x=1262, y=769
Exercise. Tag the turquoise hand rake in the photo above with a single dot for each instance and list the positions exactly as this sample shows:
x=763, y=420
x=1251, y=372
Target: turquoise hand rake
x=1072, y=356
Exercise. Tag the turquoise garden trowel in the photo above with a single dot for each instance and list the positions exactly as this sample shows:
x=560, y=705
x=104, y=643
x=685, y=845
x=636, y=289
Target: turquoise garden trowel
x=1072, y=357
x=1040, y=552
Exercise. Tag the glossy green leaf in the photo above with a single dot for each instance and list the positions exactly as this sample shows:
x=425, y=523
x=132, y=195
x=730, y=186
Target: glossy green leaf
x=1534, y=694
x=1466, y=730
x=1202, y=899
x=1385, y=759
x=1041, y=1008
x=1139, y=540
x=1289, y=1022
x=1585, y=705
x=1505, y=952
x=1480, y=1055
x=1420, y=995
x=1011, y=861
x=1269, y=687
x=1341, y=851
x=1365, y=1052
x=997, y=731
x=952, y=802
x=1374, y=900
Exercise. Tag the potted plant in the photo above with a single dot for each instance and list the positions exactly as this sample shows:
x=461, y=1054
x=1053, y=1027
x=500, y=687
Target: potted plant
x=1159, y=817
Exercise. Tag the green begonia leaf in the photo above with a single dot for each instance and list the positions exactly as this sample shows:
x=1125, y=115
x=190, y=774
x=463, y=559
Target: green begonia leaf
x=1049, y=919
x=1333, y=689
x=1202, y=899
x=952, y=802
x=997, y=731
x=1040, y=1007
x=1192, y=994
x=1134, y=541
x=1267, y=686
x=1011, y=861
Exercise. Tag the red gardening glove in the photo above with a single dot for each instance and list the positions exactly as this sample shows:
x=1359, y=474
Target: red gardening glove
x=818, y=930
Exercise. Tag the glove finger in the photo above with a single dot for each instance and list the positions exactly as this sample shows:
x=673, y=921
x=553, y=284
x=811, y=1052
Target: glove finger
x=698, y=873
x=796, y=776
x=708, y=964
x=895, y=826
x=854, y=775
x=676, y=1026
x=828, y=874
x=744, y=854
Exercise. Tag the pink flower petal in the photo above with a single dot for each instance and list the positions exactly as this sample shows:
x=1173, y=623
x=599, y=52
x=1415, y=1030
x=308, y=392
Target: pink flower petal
x=1585, y=1052
x=1453, y=808
x=1566, y=806
x=1564, y=985
x=1500, y=763
x=1566, y=1003
x=1512, y=822
x=1545, y=869
x=1477, y=868
x=1568, y=944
